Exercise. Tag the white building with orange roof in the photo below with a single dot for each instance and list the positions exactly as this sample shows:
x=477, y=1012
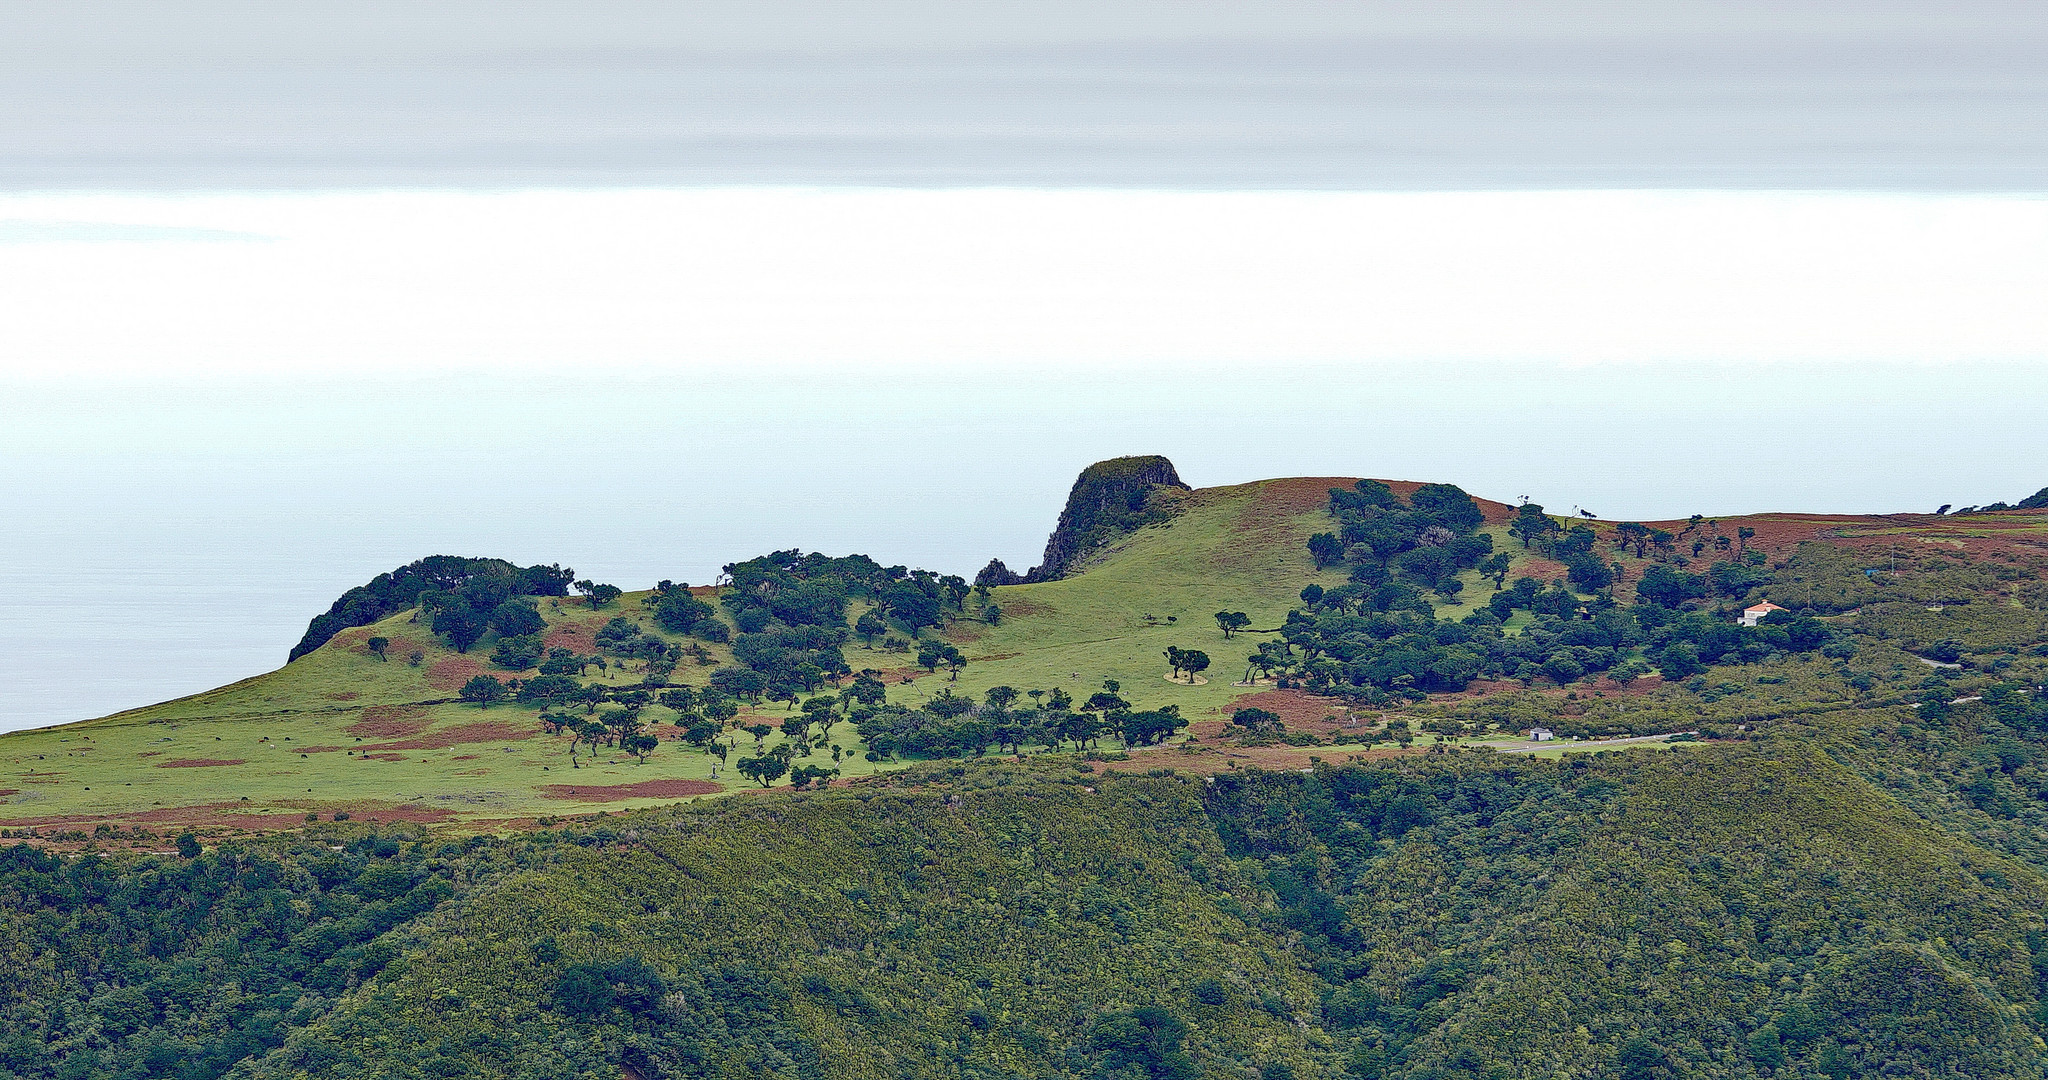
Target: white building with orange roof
x=1755, y=613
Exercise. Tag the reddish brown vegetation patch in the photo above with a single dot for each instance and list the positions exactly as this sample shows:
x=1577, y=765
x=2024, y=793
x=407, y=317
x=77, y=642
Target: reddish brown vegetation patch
x=199, y=763
x=1293, y=707
x=579, y=637
x=6, y=791
x=384, y=757
x=345, y=695
x=451, y=673
x=390, y=722
x=482, y=731
x=1016, y=606
x=1541, y=569
x=318, y=749
x=645, y=789
x=464, y=757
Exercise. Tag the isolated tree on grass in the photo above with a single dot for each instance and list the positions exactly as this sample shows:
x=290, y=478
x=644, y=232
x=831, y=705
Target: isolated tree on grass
x=1190, y=661
x=1496, y=567
x=482, y=691
x=639, y=745
x=597, y=593
x=763, y=770
x=1230, y=622
x=377, y=645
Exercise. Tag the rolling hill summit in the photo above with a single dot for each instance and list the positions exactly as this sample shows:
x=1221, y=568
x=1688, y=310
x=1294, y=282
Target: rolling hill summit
x=1325, y=777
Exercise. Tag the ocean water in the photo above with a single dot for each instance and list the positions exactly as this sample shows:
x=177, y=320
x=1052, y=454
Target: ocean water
x=163, y=539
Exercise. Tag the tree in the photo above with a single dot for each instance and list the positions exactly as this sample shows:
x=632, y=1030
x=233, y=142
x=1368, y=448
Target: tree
x=803, y=775
x=1194, y=662
x=1000, y=697
x=639, y=745
x=1746, y=534
x=1678, y=660
x=482, y=690
x=1257, y=721
x=517, y=618
x=764, y=769
x=1531, y=524
x=461, y=624
x=1149, y=727
x=1105, y=700
x=1496, y=567
x=759, y=732
x=188, y=846
x=700, y=733
x=377, y=645
x=914, y=607
x=678, y=612
x=1631, y=533
x=869, y=626
x=1325, y=549
x=1231, y=622
x=597, y=593
x=517, y=653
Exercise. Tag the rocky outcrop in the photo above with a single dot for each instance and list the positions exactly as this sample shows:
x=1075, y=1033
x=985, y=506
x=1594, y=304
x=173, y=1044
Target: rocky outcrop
x=1110, y=500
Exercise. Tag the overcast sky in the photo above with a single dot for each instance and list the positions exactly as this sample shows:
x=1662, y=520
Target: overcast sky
x=1134, y=93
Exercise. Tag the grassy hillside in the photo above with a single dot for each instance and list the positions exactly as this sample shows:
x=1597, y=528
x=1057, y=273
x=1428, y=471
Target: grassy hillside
x=1842, y=875
x=341, y=731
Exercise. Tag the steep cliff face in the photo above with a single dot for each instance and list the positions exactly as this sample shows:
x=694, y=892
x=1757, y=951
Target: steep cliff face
x=1110, y=499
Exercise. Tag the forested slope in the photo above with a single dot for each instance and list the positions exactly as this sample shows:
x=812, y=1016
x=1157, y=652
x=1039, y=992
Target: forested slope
x=1739, y=911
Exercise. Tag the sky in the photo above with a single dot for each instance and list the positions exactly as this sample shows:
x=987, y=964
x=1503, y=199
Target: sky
x=1316, y=94
x=291, y=294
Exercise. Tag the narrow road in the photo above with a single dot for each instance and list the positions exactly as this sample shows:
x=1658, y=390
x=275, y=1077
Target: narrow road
x=1524, y=746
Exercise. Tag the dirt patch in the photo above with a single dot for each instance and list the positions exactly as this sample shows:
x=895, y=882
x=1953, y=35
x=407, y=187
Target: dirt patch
x=199, y=763
x=1192, y=680
x=645, y=789
x=464, y=757
x=451, y=673
x=390, y=722
x=482, y=731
